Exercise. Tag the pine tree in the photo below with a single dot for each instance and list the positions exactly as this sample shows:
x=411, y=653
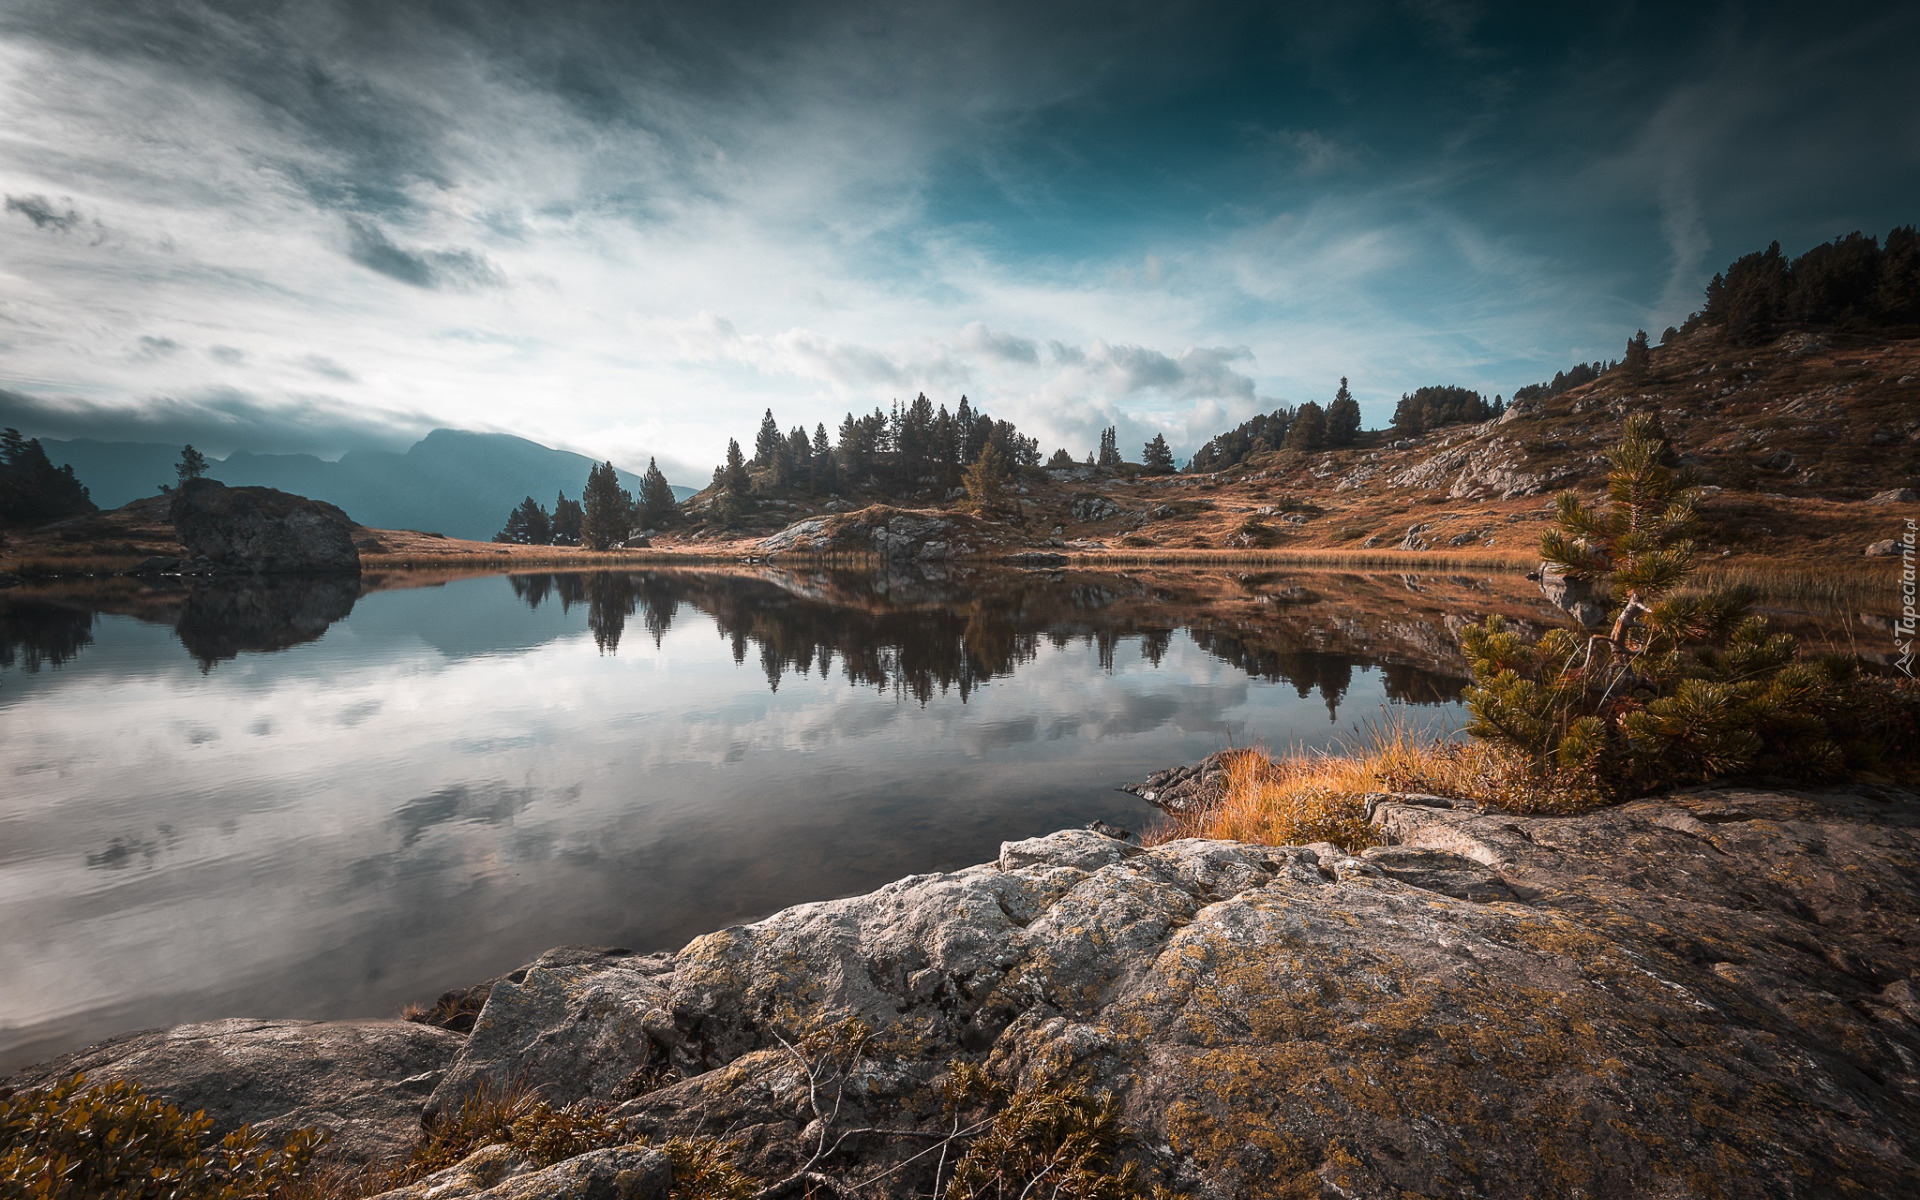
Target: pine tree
x=657, y=505
x=606, y=509
x=1109, y=447
x=1061, y=460
x=732, y=474
x=1158, y=456
x=1343, y=417
x=567, y=519
x=1639, y=356
x=192, y=465
x=767, y=443
x=1309, y=429
x=1683, y=688
x=826, y=463
x=527, y=525
x=986, y=478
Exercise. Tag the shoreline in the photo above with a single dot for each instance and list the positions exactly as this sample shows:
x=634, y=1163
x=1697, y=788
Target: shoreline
x=1423, y=961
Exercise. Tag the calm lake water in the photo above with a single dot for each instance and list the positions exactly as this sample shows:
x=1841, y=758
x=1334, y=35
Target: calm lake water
x=326, y=800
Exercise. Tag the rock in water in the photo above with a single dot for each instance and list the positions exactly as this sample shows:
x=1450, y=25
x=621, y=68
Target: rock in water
x=262, y=531
x=1572, y=596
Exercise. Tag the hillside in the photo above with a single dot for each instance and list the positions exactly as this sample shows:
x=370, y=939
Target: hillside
x=1805, y=446
x=451, y=481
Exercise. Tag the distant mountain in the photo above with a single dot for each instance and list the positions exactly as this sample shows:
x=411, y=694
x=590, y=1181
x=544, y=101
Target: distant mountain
x=453, y=482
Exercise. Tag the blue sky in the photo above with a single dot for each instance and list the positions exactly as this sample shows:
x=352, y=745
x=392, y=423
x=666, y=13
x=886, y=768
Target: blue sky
x=626, y=229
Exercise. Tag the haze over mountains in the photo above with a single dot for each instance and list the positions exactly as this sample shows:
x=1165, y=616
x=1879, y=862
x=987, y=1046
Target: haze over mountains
x=452, y=481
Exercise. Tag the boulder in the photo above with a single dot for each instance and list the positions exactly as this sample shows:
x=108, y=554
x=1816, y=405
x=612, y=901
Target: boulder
x=1894, y=496
x=1885, y=549
x=262, y=531
x=1575, y=597
x=364, y=1081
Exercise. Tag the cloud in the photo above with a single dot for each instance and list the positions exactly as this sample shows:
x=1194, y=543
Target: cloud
x=1005, y=346
x=326, y=368
x=43, y=214
x=1312, y=152
x=149, y=348
x=219, y=421
x=369, y=246
x=233, y=356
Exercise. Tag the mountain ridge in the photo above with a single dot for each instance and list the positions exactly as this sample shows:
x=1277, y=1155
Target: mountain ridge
x=459, y=482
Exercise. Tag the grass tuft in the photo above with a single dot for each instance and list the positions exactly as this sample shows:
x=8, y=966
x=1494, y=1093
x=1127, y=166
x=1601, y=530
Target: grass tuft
x=1307, y=796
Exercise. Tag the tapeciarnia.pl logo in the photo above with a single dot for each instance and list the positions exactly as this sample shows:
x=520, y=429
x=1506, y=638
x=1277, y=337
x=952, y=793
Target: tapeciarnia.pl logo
x=1904, y=627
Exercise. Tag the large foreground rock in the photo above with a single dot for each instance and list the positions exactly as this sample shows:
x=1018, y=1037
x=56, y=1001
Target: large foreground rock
x=365, y=1081
x=1708, y=995
x=263, y=531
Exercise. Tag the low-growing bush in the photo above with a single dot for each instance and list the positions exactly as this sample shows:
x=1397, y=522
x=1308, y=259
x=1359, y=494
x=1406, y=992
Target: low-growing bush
x=515, y=1117
x=1049, y=1137
x=113, y=1141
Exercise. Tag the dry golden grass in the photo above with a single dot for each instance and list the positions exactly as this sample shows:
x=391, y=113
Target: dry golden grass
x=1836, y=588
x=1308, y=796
x=1404, y=560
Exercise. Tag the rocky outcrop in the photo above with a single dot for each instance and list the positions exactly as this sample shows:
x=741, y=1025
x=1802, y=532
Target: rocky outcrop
x=1184, y=790
x=1713, y=994
x=620, y=1173
x=364, y=1081
x=261, y=531
x=896, y=534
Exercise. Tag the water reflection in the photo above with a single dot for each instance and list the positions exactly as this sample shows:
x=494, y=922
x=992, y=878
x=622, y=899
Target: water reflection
x=35, y=633
x=921, y=636
x=315, y=798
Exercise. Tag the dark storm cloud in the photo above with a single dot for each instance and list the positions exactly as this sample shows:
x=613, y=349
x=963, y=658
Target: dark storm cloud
x=218, y=420
x=374, y=250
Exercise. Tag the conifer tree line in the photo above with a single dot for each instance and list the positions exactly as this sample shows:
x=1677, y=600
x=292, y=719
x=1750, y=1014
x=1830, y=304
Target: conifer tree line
x=915, y=446
x=605, y=515
x=1308, y=428
x=1852, y=283
x=1432, y=407
x=32, y=489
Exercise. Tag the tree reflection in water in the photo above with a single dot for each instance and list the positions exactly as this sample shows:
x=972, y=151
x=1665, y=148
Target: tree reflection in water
x=36, y=633
x=914, y=633
x=917, y=638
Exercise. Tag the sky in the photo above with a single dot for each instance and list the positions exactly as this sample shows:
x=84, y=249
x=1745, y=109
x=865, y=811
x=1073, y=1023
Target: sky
x=626, y=229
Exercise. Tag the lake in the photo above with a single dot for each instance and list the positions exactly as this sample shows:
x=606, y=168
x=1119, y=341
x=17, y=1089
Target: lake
x=327, y=799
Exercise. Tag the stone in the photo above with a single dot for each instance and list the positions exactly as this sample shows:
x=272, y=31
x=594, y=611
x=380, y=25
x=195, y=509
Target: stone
x=1886, y=548
x=262, y=531
x=1184, y=790
x=365, y=1082
x=1895, y=496
x=621, y=1173
x=1575, y=597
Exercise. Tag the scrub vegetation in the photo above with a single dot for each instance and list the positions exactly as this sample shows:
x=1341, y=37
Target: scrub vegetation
x=1677, y=687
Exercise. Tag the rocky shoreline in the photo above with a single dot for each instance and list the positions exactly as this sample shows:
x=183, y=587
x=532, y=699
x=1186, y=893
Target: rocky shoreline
x=1710, y=994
